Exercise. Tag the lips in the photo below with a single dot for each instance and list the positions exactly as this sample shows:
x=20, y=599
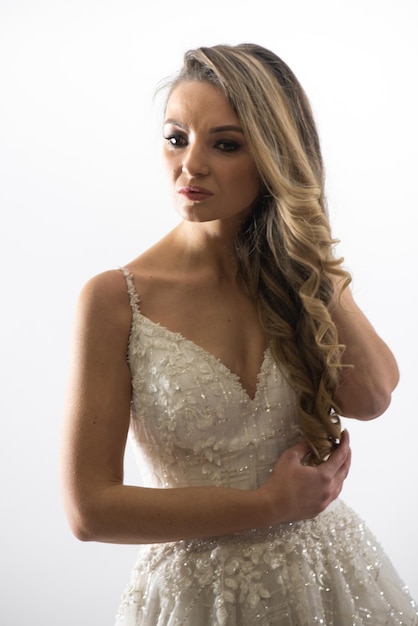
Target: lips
x=192, y=192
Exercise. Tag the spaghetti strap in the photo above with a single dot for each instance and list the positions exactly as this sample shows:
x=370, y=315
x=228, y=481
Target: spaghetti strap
x=133, y=295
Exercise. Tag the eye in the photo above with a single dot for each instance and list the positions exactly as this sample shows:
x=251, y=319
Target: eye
x=227, y=145
x=176, y=140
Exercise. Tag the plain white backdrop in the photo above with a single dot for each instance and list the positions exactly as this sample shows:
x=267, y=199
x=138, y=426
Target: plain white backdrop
x=82, y=191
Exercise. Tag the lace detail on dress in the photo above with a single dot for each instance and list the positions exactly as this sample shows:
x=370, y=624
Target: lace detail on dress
x=324, y=571
x=192, y=423
x=133, y=296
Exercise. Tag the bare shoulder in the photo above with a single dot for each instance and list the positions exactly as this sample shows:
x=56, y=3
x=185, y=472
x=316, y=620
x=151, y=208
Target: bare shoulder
x=106, y=290
x=110, y=284
x=104, y=301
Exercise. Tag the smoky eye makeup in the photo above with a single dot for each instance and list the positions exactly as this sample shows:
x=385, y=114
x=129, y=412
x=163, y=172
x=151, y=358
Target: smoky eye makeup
x=228, y=145
x=175, y=136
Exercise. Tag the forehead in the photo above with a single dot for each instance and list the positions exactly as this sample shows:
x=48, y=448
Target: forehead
x=199, y=103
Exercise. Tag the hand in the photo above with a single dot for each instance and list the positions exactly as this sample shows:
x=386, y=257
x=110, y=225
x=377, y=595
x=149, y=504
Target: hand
x=296, y=491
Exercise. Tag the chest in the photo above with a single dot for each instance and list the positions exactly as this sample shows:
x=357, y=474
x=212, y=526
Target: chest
x=222, y=320
x=192, y=420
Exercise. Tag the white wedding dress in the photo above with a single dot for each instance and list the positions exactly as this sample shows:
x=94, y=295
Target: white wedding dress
x=194, y=424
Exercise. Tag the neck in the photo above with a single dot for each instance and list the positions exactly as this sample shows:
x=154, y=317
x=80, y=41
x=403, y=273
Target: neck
x=207, y=247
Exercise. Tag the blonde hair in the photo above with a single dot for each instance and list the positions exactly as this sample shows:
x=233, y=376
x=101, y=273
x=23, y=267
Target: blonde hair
x=285, y=248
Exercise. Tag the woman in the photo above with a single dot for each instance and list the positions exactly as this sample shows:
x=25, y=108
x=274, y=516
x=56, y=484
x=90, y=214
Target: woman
x=237, y=349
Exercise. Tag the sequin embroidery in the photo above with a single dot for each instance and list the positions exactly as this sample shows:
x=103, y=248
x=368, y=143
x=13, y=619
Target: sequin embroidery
x=192, y=423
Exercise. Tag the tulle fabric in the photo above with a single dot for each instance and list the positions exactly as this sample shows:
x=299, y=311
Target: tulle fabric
x=330, y=570
x=193, y=424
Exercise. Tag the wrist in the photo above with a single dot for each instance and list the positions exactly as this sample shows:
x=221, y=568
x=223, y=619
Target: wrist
x=264, y=508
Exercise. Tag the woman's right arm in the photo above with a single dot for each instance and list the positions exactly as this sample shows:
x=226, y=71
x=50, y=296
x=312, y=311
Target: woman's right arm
x=100, y=507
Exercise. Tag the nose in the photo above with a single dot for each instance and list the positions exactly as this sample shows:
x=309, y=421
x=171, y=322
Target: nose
x=195, y=161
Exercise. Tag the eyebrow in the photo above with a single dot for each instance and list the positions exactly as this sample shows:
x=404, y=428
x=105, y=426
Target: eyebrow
x=221, y=129
x=212, y=131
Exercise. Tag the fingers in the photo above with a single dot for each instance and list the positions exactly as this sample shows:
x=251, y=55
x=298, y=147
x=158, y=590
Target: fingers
x=303, y=492
x=302, y=448
x=339, y=458
x=347, y=464
x=340, y=466
x=345, y=437
x=341, y=455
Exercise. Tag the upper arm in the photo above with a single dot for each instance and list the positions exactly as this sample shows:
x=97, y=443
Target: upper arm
x=97, y=410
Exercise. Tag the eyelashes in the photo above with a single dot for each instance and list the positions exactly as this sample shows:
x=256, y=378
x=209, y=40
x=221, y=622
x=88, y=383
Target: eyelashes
x=176, y=140
x=226, y=145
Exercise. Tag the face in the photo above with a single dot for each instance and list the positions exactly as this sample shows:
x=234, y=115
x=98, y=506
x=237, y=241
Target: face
x=211, y=170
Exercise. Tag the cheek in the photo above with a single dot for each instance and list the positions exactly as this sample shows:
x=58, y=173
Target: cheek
x=171, y=167
x=251, y=187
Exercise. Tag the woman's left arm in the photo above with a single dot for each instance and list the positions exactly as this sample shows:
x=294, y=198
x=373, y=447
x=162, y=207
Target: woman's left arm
x=366, y=387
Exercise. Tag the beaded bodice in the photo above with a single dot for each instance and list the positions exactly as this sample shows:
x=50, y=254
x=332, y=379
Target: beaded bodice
x=192, y=422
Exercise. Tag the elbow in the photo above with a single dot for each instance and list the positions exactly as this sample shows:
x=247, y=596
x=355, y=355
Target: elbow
x=365, y=392
x=90, y=513
x=83, y=520
x=83, y=532
x=82, y=527
x=380, y=396
x=366, y=405
x=375, y=407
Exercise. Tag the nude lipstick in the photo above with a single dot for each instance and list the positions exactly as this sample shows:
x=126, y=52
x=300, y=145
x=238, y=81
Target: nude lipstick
x=192, y=192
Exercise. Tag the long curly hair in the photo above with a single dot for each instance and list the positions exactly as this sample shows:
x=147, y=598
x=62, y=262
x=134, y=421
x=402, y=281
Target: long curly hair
x=285, y=248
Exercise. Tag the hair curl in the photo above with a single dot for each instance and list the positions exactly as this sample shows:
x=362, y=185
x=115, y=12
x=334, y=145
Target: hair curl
x=285, y=248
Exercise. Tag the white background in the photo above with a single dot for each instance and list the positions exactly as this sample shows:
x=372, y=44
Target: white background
x=81, y=191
